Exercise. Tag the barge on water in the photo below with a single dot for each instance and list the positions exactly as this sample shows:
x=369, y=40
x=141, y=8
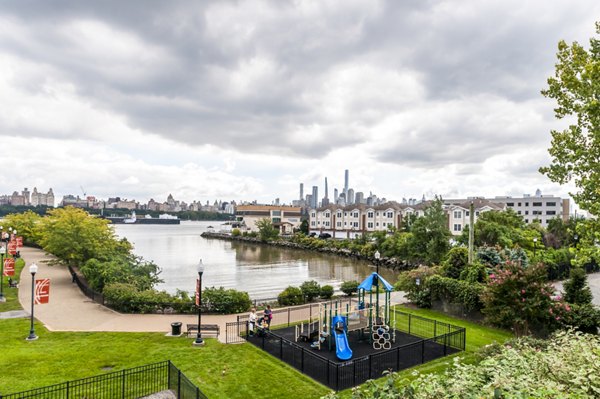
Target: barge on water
x=147, y=219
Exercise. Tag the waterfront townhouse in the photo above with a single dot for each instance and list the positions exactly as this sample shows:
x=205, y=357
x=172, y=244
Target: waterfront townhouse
x=284, y=218
x=458, y=212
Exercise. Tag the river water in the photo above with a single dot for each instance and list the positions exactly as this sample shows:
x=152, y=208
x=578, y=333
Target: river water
x=261, y=270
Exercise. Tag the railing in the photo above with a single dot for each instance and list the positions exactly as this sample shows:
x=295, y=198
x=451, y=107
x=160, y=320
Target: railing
x=125, y=384
x=85, y=288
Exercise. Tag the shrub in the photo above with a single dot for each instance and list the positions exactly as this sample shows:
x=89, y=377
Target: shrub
x=455, y=291
x=225, y=301
x=474, y=273
x=415, y=284
x=326, y=292
x=349, y=287
x=455, y=262
x=310, y=289
x=585, y=318
x=576, y=289
x=290, y=296
x=127, y=298
x=236, y=232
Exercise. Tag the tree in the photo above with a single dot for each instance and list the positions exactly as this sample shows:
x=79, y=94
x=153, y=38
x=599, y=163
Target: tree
x=576, y=88
x=502, y=228
x=26, y=225
x=576, y=288
x=266, y=230
x=455, y=262
x=310, y=289
x=304, y=226
x=430, y=239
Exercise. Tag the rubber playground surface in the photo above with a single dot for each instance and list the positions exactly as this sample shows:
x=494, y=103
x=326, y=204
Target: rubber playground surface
x=360, y=347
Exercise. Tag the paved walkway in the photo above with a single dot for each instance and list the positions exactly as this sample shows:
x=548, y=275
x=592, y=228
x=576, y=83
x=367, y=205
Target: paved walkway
x=70, y=310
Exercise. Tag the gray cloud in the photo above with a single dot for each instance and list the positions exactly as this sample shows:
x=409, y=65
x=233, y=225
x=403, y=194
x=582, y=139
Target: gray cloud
x=269, y=76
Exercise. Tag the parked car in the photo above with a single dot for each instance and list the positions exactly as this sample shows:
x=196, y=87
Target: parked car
x=324, y=236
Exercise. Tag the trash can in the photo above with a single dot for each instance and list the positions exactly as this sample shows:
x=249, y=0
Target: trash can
x=176, y=328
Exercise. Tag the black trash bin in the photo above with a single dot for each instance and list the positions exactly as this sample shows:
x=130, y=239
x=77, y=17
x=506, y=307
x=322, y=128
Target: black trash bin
x=176, y=328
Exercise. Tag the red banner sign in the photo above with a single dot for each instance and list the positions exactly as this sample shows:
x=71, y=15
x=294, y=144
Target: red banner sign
x=9, y=267
x=19, y=242
x=12, y=247
x=42, y=291
x=197, y=292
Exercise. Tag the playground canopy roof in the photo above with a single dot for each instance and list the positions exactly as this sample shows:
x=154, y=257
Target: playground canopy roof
x=368, y=283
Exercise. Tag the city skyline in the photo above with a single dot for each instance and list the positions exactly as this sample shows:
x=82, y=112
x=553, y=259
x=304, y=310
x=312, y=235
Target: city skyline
x=244, y=100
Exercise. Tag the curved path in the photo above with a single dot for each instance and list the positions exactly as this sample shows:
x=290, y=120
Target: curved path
x=70, y=310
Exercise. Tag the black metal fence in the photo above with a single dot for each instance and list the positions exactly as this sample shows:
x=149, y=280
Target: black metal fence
x=84, y=287
x=438, y=339
x=125, y=384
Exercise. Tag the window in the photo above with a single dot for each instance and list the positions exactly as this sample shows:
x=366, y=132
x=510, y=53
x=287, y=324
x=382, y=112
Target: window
x=377, y=213
x=390, y=225
x=511, y=204
x=339, y=214
x=355, y=224
x=457, y=214
x=519, y=204
x=536, y=204
x=550, y=212
x=312, y=215
x=327, y=215
x=467, y=213
x=326, y=224
x=275, y=213
x=550, y=203
x=526, y=220
x=457, y=227
x=276, y=220
x=527, y=204
x=355, y=214
x=390, y=215
x=370, y=215
x=313, y=223
x=377, y=224
x=527, y=212
x=345, y=213
x=518, y=212
x=339, y=224
x=370, y=225
x=345, y=223
x=477, y=213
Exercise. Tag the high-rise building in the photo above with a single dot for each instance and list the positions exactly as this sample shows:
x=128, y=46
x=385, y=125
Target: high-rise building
x=350, y=197
x=315, y=197
x=301, y=191
x=359, y=197
x=335, y=195
x=346, y=178
x=326, y=189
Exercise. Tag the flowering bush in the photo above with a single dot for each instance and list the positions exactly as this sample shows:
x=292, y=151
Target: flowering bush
x=566, y=366
x=521, y=299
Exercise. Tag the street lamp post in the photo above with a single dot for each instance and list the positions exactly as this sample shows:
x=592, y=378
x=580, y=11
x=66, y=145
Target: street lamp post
x=200, y=269
x=2, y=252
x=534, y=245
x=33, y=270
x=377, y=256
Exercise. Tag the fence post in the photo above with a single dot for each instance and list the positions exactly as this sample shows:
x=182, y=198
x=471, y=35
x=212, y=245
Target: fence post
x=370, y=371
x=288, y=317
x=434, y=328
x=397, y=358
x=123, y=386
x=197, y=393
x=169, y=374
x=179, y=382
x=422, y=351
x=280, y=348
x=409, y=320
x=445, y=344
x=67, y=390
x=302, y=360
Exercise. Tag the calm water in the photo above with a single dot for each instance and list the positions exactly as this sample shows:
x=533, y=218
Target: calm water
x=263, y=271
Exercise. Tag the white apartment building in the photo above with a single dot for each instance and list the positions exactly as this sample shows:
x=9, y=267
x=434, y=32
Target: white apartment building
x=354, y=220
x=538, y=207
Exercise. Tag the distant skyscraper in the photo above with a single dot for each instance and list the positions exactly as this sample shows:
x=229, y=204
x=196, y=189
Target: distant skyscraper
x=301, y=191
x=346, y=182
x=309, y=200
x=359, y=197
x=326, y=189
x=350, y=197
x=335, y=195
x=315, y=197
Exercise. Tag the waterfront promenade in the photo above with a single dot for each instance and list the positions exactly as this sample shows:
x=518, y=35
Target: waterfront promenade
x=70, y=310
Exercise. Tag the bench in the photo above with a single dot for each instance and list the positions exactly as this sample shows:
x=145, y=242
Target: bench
x=204, y=328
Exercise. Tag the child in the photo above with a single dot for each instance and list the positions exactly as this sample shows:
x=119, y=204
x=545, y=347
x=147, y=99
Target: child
x=268, y=315
x=252, y=321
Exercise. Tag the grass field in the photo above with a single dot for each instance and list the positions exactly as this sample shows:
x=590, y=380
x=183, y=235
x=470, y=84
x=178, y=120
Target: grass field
x=11, y=293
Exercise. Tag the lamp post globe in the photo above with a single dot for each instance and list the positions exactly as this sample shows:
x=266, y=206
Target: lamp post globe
x=33, y=270
x=534, y=245
x=200, y=269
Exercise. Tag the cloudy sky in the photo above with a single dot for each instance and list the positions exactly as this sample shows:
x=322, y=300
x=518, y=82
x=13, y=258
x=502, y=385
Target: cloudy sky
x=246, y=99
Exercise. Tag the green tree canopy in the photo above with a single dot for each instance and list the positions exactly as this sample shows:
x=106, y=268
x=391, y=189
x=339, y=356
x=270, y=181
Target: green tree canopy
x=575, y=151
x=503, y=228
x=266, y=230
x=430, y=234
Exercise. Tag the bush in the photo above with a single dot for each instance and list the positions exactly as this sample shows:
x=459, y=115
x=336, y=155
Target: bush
x=419, y=294
x=455, y=291
x=474, y=273
x=225, y=301
x=310, y=289
x=349, y=287
x=127, y=298
x=290, y=296
x=576, y=289
x=455, y=262
x=585, y=318
x=236, y=232
x=326, y=292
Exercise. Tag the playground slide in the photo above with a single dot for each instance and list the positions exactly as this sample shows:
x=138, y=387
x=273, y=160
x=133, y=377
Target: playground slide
x=342, y=350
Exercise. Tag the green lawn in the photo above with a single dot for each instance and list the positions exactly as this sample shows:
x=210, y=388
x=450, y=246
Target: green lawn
x=60, y=356
x=12, y=302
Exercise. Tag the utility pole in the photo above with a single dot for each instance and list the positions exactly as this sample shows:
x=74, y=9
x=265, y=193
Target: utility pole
x=471, y=231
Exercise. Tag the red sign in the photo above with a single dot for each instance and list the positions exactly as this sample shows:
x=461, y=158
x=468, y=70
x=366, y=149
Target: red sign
x=19, y=241
x=9, y=267
x=12, y=247
x=197, y=292
x=42, y=291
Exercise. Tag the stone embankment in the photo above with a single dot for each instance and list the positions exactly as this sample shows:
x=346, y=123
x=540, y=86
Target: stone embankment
x=390, y=263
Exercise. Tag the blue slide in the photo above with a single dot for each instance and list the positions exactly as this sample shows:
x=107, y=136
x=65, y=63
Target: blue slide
x=342, y=350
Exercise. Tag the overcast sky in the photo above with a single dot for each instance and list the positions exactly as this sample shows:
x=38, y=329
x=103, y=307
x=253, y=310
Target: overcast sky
x=246, y=99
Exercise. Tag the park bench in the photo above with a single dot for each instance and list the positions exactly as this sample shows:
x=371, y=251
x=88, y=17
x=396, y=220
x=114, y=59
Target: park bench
x=204, y=328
